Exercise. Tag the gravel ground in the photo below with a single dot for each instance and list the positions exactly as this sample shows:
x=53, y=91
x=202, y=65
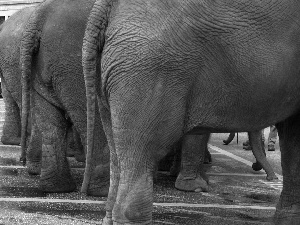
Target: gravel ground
x=227, y=201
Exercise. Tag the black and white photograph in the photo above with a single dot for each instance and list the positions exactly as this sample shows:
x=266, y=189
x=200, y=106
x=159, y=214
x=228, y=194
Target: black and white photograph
x=141, y=112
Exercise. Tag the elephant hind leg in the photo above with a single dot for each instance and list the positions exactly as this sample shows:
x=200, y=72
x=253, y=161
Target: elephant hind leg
x=55, y=173
x=139, y=144
x=12, y=121
x=288, y=207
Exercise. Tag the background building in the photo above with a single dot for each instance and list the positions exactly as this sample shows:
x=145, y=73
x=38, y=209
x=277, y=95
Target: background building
x=9, y=7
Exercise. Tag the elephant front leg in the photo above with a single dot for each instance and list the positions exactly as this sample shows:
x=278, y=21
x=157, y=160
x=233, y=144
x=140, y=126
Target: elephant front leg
x=192, y=176
x=55, y=172
x=288, y=207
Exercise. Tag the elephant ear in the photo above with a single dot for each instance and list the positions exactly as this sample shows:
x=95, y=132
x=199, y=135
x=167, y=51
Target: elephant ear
x=93, y=43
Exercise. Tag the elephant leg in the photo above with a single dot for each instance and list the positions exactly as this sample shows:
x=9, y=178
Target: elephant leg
x=260, y=155
x=192, y=176
x=175, y=168
x=71, y=143
x=138, y=148
x=288, y=207
x=79, y=153
x=75, y=147
x=55, y=173
x=134, y=200
x=12, y=120
x=100, y=166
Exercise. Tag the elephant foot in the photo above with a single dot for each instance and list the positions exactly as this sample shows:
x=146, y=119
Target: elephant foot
x=287, y=216
x=257, y=166
x=100, y=180
x=10, y=140
x=34, y=168
x=194, y=184
x=271, y=177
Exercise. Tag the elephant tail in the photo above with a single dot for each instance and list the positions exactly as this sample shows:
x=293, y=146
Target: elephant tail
x=28, y=47
x=93, y=43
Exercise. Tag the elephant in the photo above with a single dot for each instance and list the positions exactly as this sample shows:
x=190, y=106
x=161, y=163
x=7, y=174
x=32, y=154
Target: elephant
x=10, y=38
x=171, y=68
x=52, y=74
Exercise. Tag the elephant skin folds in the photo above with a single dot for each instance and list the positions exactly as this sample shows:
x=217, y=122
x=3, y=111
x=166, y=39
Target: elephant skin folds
x=173, y=68
x=52, y=78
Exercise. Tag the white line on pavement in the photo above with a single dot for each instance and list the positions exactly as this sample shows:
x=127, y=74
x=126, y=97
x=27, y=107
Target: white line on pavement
x=236, y=157
x=50, y=200
x=155, y=204
x=214, y=206
x=10, y=147
x=237, y=174
x=164, y=172
x=12, y=167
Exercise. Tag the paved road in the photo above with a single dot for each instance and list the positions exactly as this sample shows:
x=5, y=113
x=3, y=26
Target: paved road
x=237, y=194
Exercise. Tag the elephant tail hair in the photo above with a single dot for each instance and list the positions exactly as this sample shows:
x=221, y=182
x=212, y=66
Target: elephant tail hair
x=93, y=43
x=28, y=47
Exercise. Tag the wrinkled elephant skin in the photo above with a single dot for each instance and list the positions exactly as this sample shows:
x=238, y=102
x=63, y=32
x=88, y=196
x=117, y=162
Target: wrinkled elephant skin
x=170, y=68
x=53, y=76
x=10, y=39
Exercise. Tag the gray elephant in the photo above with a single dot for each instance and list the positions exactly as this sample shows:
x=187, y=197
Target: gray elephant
x=52, y=74
x=174, y=67
x=10, y=38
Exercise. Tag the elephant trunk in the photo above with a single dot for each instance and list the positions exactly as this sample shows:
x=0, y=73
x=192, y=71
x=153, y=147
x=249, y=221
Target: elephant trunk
x=93, y=43
x=29, y=45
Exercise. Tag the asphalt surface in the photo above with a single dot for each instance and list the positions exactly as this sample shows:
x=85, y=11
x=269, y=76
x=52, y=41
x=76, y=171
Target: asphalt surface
x=237, y=194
